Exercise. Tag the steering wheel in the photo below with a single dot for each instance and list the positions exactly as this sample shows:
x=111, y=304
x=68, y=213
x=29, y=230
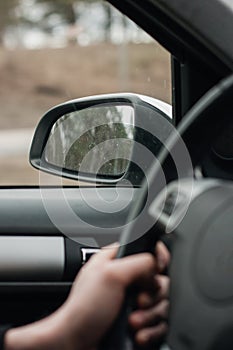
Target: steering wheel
x=160, y=206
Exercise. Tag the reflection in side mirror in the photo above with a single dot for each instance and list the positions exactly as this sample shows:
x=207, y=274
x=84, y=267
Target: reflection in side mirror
x=95, y=140
x=102, y=139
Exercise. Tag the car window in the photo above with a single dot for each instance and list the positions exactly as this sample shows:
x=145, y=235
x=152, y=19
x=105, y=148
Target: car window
x=56, y=51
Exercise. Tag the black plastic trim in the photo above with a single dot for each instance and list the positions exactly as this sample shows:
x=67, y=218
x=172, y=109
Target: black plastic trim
x=73, y=259
x=175, y=35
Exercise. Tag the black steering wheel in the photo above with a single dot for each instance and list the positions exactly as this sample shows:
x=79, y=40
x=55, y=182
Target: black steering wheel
x=196, y=132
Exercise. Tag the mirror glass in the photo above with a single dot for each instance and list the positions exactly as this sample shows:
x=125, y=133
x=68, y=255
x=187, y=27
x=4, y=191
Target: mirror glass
x=96, y=140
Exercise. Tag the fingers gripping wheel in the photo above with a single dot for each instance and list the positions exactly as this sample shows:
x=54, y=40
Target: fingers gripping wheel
x=120, y=336
x=218, y=101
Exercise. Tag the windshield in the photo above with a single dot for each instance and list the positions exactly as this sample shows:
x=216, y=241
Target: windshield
x=52, y=52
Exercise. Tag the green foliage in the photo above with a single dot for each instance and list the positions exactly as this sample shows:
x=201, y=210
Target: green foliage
x=101, y=141
x=78, y=143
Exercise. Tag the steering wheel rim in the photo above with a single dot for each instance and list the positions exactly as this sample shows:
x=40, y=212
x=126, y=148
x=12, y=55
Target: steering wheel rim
x=212, y=105
x=207, y=110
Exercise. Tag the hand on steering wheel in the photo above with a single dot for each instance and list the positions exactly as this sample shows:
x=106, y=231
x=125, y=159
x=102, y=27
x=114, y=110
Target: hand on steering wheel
x=214, y=104
x=149, y=320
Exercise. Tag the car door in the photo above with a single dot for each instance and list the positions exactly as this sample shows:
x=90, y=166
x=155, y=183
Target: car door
x=39, y=260
x=50, y=226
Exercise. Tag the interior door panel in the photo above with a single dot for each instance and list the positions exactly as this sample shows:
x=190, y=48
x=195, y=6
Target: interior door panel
x=38, y=262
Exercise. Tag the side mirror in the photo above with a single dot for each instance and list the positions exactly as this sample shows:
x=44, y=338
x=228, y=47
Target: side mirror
x=93, y=138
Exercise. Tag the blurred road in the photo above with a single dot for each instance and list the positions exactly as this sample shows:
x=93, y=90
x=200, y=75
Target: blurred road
x=15, y=142
x=15, y=169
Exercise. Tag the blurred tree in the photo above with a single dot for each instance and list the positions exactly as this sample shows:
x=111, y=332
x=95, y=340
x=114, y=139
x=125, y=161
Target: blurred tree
x=76, y=137
x=108, y=21
x=65, y=8
x=7, y=15
x=67, y=12
x=110, y=129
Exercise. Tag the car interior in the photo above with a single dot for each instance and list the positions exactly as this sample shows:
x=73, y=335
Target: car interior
x=175, y=185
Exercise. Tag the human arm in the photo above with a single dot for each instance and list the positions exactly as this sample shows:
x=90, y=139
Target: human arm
x=89, y=311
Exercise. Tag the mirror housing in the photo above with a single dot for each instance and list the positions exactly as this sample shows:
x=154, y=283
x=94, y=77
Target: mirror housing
x=93, y=138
